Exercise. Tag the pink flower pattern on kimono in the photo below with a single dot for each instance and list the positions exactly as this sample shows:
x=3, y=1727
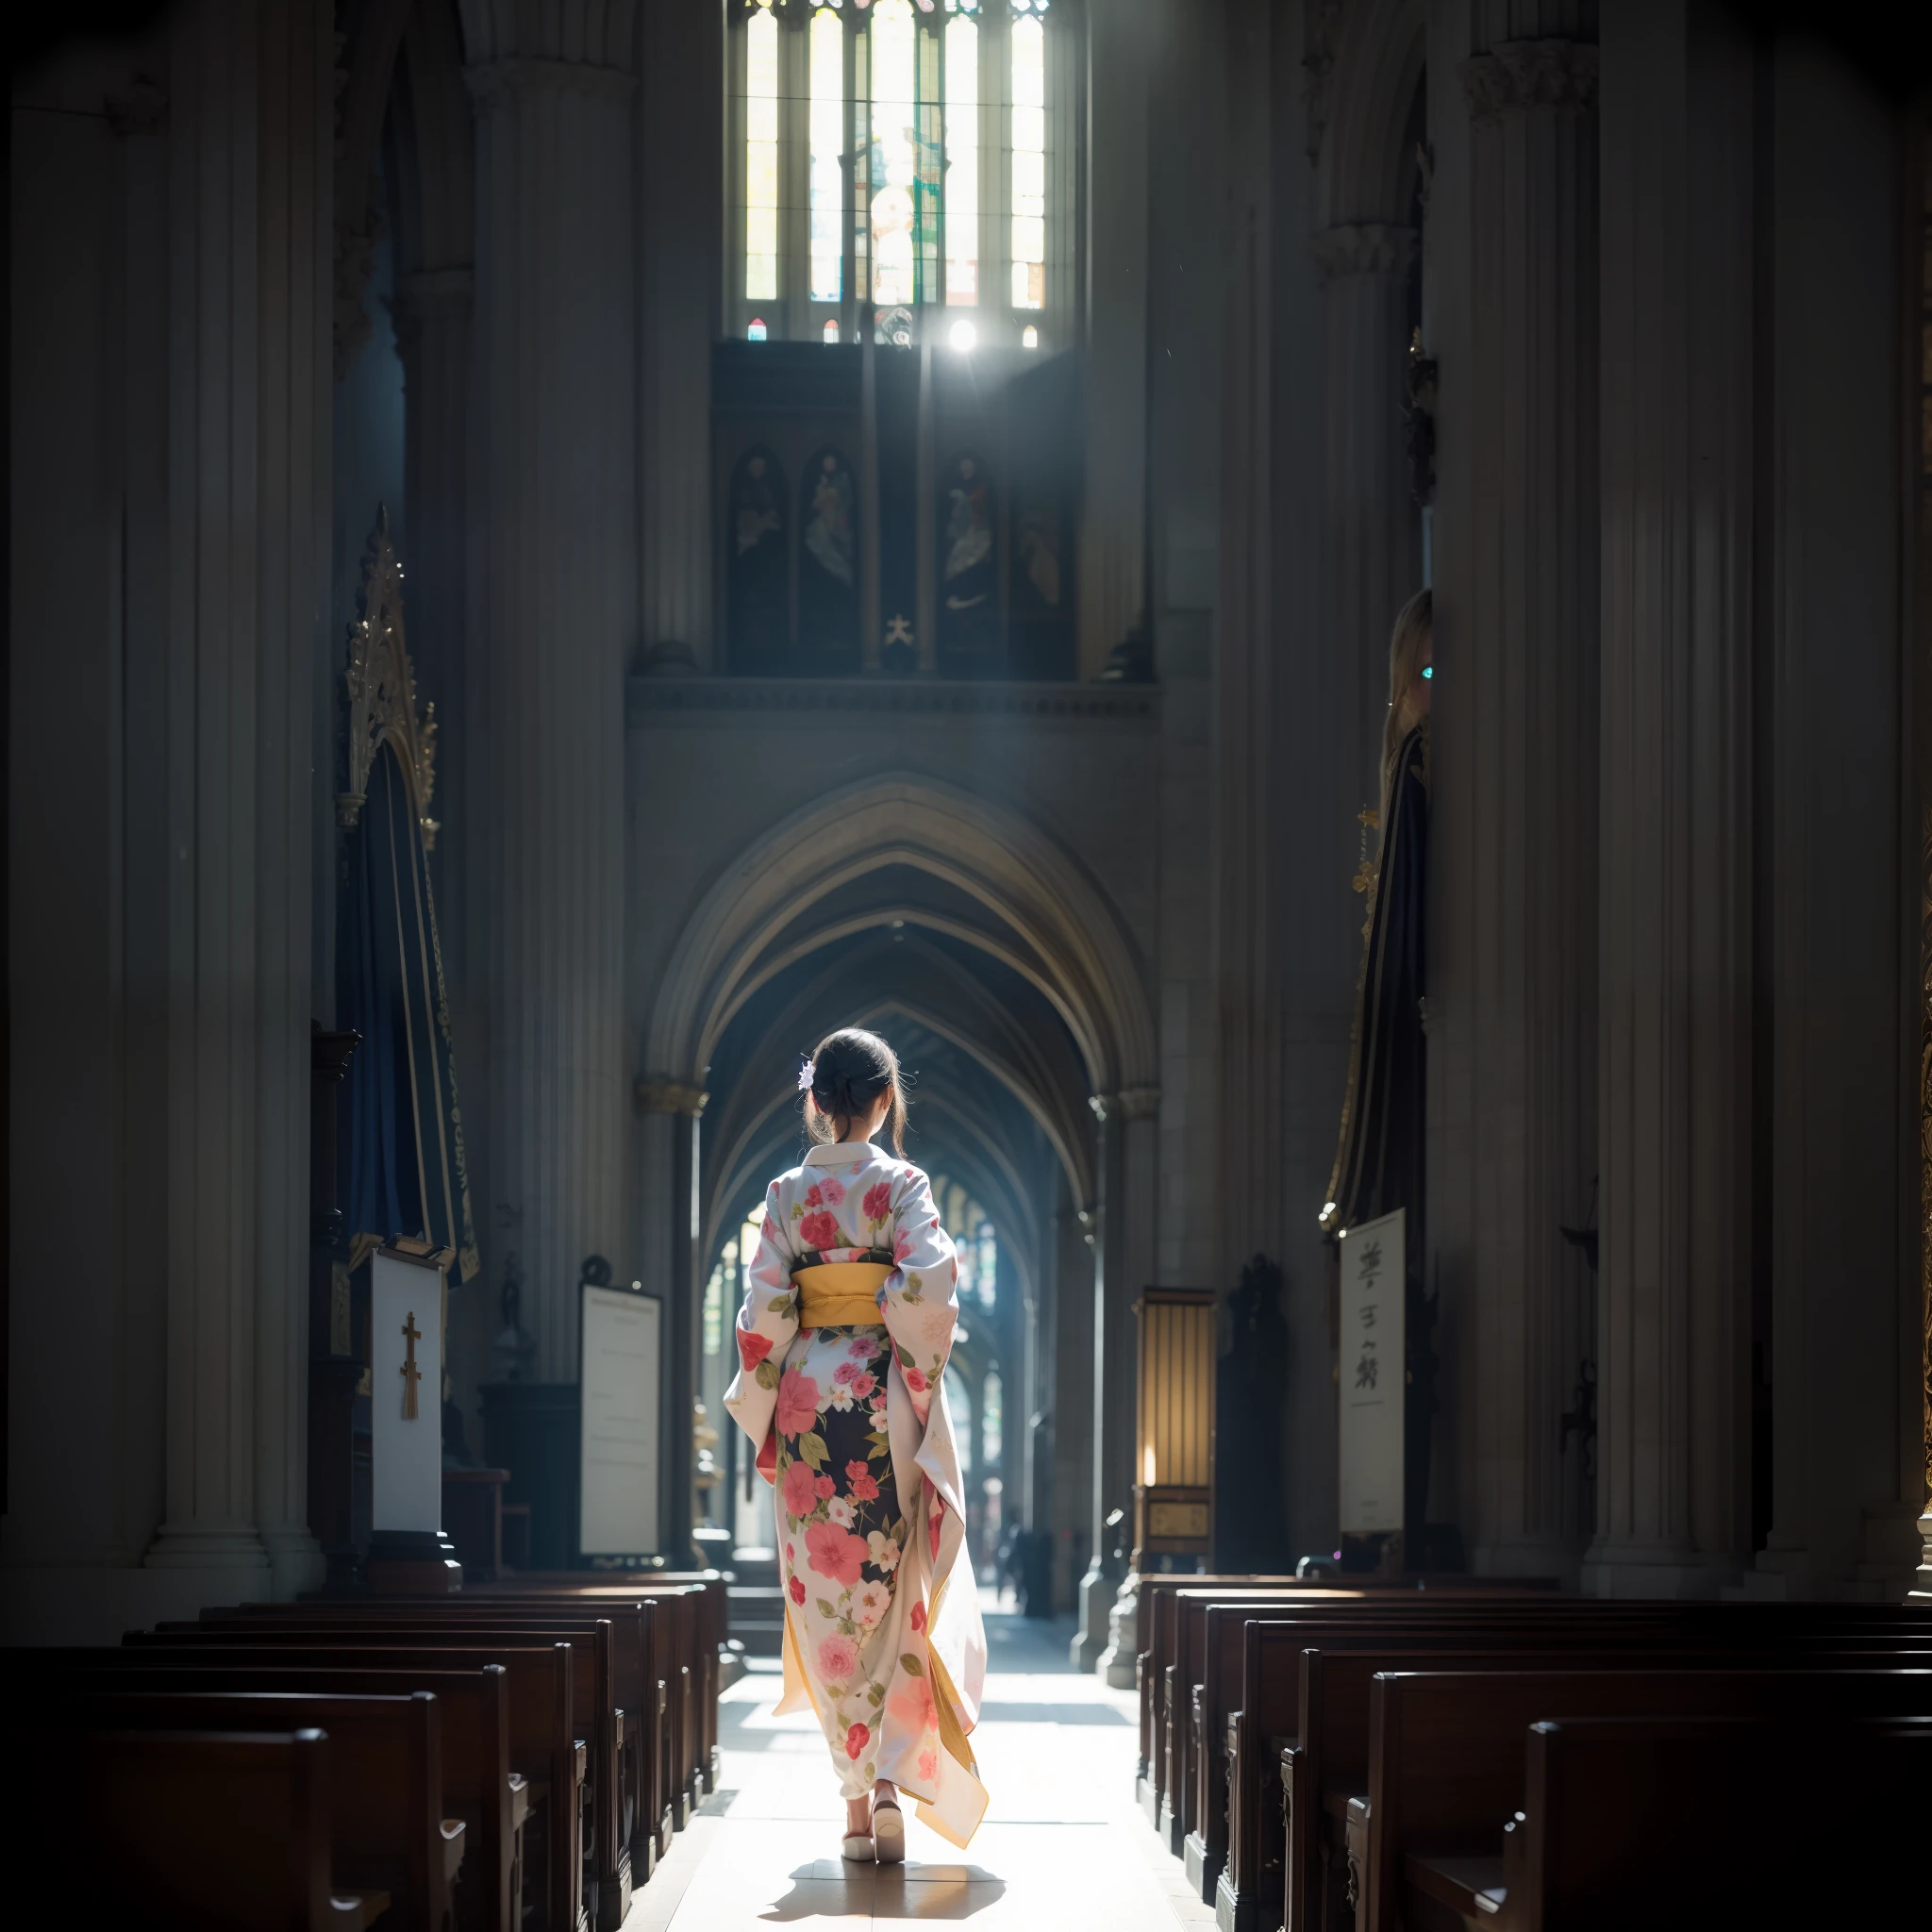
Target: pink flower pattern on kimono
x=822, y=1395
x=798, y=1403
x=835, y=1552
x=800, y=1497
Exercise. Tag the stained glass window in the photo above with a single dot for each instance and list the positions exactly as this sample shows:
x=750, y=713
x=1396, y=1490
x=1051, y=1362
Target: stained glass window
x=1029, y=161
x=762, y=157
x=894, y=157
x=828, y=156
x=962, y=160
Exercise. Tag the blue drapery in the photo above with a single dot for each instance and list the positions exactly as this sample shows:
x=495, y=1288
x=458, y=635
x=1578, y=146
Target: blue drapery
x=402, y=1135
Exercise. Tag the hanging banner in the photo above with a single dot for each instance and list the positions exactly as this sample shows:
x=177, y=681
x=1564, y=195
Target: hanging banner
x=1371, y=1375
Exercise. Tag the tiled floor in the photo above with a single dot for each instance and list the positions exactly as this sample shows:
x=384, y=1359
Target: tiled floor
x=1062, y=1844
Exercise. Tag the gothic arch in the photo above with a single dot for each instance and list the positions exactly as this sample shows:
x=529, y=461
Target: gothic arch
x=1363, y=173
x=1045, y=917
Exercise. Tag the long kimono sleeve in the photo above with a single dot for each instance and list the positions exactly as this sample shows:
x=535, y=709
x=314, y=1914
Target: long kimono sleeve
x=765, y=1327
x=921, y=1297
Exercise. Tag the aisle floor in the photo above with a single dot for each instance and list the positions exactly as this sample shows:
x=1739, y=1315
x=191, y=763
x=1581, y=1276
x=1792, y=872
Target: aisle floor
x=1062, y=1843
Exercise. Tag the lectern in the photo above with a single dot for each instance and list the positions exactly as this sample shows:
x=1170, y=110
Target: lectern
x=409, y=1553
x=1173, y=1500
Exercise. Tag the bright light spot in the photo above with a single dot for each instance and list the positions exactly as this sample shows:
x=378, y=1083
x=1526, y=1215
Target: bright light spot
x=1327, y=1209
x=756, y=332
x=963, y=336
x=831, y=331
x=1029, y=336
x=1147, y=1466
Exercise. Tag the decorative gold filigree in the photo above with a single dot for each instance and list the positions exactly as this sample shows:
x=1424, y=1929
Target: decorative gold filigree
x=382, y=692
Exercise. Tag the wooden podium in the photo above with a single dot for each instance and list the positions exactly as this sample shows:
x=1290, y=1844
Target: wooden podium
x=409, y=1553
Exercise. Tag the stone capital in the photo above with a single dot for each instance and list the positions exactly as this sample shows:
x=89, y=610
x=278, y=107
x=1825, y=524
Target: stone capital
x=1517, y=76
x=1139, y=1103
x=658, y=1093
x=1363, y=248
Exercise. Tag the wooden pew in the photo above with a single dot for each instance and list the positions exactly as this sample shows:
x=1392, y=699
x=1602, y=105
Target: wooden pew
x=543, y=1740
x=1204, y=1685
x=707, y=1607
x=224, y=1831
x=1620, y=1819
x=605, y=1883
x=478, y=1786
x=1448, y=1766
x=1271, y=1724
x=630, y=1750
x=387, y=1829
x=687, y=1663
x=1155, y=1622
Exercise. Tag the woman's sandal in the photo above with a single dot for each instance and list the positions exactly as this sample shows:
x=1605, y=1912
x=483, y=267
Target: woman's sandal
x=858, y=1847
x=888, y=1835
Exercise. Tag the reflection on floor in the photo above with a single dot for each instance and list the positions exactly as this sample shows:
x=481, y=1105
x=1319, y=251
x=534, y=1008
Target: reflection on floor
x=1062, y=1843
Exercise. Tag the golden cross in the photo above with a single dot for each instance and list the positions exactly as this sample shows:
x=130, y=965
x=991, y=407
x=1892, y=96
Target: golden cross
x=412, y=1373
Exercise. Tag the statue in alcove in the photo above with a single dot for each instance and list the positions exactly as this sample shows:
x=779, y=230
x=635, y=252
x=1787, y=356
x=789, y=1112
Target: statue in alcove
x=1379, y=1162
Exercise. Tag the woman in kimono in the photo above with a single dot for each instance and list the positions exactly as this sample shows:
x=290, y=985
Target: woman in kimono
x=843, y=1342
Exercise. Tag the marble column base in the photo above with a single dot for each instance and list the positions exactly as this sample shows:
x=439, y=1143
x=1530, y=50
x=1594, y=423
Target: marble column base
x=1118, y=1663
x=295, y=1561
x=1921, y=1583
x=1096, y=1595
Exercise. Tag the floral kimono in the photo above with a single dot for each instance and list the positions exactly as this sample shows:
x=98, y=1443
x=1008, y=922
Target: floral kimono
x=882, y=1638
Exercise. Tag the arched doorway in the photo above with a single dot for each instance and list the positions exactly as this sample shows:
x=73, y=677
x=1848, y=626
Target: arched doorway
x=1002, y=973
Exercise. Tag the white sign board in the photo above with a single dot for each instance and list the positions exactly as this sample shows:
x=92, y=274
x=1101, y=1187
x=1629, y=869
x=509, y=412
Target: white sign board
x=405, y=1394
x=623, y=1342
x=1371, y=1374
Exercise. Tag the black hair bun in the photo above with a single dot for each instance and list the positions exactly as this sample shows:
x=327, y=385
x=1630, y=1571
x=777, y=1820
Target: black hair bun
x=850, y=1072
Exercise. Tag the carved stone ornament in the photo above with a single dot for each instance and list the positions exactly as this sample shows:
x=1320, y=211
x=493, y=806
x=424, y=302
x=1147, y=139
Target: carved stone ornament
x=663, y=1095
x=1363, y=248
x=1322, y=31
x=382, y=692
x=1516, y=75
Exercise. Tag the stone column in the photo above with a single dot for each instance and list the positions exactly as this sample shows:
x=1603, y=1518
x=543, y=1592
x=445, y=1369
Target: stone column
x=667, y=1237
x=1139, y=1129
x=551, y=614
x=1841, y=937
x=249, y=110
x=1675, y=1002
x=678, y=293
x=1113, y=513
x=293, y=527
x=1512, y=993
x=1112, y=1367
x=1370, y=549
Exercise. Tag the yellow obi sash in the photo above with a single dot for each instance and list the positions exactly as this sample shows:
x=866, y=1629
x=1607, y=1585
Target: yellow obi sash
x=839, y=1294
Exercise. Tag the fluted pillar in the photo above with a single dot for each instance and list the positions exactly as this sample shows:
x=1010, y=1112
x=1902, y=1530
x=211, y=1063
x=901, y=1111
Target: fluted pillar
x=1512, y=994
x=1113, y=513
x=666, y=1242
x=551, y=614
x=248, y=341
x=1677, y=1073
x=296, y=83
x=1370, y=550
x=1131, y=1125
x=682, y=109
